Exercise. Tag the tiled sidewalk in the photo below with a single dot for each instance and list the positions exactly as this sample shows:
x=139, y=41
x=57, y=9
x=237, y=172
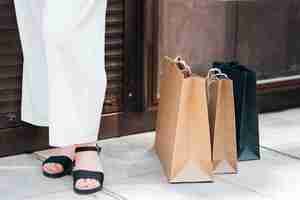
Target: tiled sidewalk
x=133, y=171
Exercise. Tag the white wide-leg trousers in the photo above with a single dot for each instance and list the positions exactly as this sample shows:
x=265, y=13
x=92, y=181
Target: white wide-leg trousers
x=64, y=78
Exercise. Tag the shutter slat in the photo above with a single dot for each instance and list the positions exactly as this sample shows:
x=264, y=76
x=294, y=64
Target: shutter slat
x=10, y=95
x=10, y=72
x=114, y=55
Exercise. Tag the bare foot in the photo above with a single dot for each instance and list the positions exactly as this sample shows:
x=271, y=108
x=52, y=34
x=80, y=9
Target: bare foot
x=54, y=168
x=87, y=160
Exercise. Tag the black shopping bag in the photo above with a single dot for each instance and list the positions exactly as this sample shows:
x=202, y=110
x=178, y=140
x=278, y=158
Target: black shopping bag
x=244, y=84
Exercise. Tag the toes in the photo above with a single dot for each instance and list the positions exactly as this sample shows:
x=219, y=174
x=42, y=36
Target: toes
x=78, y=183
x=95, y=183
x=82, y=184
x=87, y=184
x=92, y=183
x=48, y=168
x=58, y=168
x=45, y=168
x=53, y=168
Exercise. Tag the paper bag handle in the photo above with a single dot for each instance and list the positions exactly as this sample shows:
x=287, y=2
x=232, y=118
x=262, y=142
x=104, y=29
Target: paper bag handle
x=213, y=71
x=223, y=75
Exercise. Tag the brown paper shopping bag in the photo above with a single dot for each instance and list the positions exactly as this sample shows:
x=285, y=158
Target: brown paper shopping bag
x=182, y=131
x=222, y=122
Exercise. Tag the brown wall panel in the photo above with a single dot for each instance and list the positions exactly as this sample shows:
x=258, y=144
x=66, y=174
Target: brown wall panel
x=266, y=36
x=201, y=31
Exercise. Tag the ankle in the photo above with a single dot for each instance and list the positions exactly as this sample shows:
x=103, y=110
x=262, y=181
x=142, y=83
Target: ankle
x=91, y=144
x=67, y=151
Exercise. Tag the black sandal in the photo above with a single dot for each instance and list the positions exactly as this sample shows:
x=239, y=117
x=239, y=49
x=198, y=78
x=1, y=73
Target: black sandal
x=84, y=174
x=65, y=161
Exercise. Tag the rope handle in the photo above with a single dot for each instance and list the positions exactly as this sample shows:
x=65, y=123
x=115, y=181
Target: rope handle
x=213, y=71
x=216, y=74
x=223, y=75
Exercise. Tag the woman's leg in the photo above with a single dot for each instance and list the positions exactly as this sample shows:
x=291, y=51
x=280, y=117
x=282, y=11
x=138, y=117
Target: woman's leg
x=34, y=104
x=74, y=32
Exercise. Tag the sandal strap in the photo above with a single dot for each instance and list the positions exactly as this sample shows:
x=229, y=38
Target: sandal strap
x=88, y=148
x=84, y=174
x=80, y=149
x=65, y=161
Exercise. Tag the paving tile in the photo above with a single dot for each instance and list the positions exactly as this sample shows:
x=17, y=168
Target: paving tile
x=280, y=131
x=155, y=186
x=21, y=183
x=130, y=156
x=23, y=161
x=289, y=114
x=275, y=176
x=70, y=195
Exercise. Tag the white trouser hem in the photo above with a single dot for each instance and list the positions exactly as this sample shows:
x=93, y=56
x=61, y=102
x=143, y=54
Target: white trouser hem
x=70, y=142
x=36, y=122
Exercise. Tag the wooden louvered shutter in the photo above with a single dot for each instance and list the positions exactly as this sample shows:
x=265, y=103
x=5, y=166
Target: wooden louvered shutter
x=10, y=66
x=114, y=55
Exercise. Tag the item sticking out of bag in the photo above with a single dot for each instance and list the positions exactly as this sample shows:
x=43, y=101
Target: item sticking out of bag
x=183, y=66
